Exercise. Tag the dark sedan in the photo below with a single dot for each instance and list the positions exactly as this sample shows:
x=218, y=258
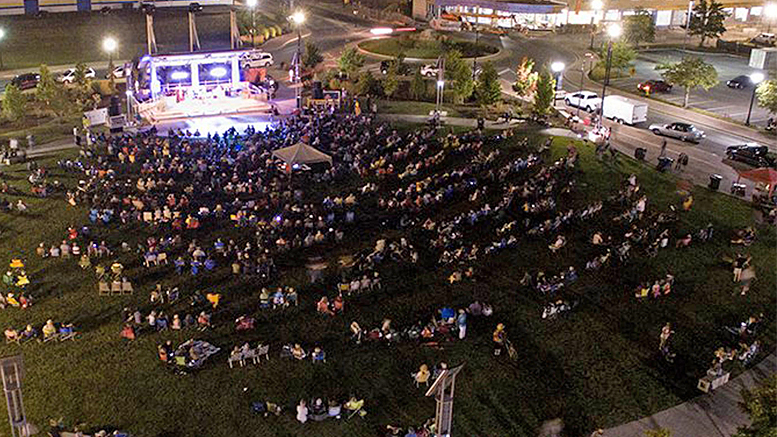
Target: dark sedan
x=740, y=82
x=26, y=81
x=651, y=86
x=751, y=153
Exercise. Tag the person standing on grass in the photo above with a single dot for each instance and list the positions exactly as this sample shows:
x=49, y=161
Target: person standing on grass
x=499, y=339
x=302, y=411
x=461, y=321
x=666, y=332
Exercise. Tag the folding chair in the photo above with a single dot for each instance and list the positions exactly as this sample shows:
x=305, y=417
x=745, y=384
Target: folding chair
x=260, y=352
x=161, y=258
x=103, y=288
x=232, y=359
x=126, y=287
x=115, y=287
x=148, y=216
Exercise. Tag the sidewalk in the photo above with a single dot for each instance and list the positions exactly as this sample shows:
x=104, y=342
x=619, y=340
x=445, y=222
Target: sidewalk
x=716, y=414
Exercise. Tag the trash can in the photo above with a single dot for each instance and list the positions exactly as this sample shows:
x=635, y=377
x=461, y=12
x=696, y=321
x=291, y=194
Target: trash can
x=640, y=153
x=715, y=182
x=664, y=163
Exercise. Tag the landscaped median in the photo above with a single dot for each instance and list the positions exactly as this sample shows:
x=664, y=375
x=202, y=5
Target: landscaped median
x=425, y=46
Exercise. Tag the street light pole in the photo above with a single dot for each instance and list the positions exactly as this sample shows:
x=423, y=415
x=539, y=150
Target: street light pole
x=582, y=81
x=252, y=4
x=298, y=18
x=756, y=78
x=475, y=62
x=2, y=35
x=613, y=31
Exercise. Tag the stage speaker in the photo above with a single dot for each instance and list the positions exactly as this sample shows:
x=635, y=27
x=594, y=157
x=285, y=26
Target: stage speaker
x=318, y=90
x=115, y=107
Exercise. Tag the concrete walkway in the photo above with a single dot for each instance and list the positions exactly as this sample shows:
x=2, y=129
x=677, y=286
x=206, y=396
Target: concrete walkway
x=716, y=414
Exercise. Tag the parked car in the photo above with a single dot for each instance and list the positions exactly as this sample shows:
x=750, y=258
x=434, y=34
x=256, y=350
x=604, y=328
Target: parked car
x=587, y=100
x=404, y=69
x=26, y=81
x=430, y=70
x=740, y=82
x=653, y=85
x=118, y=73
x=765, y=39
x=681, y=131
x=751, y=153
x=256, y=59
x=70, y=75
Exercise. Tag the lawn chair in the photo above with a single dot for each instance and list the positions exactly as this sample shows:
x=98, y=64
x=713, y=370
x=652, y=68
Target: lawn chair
x=261, y=351
x=68, y=335
x=148, y=216
x=103, y=288
x=53, y=337
x=161, y=258
x=180, y=361
x=150, y=258
x=126, y=287
x=115, y=287
x=234, y=359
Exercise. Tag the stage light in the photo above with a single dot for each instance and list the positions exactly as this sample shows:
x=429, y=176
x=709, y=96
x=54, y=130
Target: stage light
x=218, y=72
x=381, y=31
x=179, y=75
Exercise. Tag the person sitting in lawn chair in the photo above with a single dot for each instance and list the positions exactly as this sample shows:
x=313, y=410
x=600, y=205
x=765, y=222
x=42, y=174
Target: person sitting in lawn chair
x=297, y=352
x=318, y=355
x=355, y=406
x=29, y=333
x=49, y=330
x=244, y=323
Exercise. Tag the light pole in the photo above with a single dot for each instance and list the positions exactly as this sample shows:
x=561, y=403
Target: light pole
x=596, y=6
x=614, y=31
x=770, y=13
x=2, y=35
x=110, y=45
x=589, y=56
x=440, y=87
x=756, y=78
x=252, y=5
x=558, y=72
x=298, y=18
x=475, y=61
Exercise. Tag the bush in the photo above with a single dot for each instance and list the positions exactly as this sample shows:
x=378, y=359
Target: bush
x=278, y=30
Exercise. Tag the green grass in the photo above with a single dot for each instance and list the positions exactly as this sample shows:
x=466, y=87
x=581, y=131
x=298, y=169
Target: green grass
x=44, y=130
x=597, y=367
x=425, y=49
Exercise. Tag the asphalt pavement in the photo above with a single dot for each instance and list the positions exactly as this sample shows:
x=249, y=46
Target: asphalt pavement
x=720, y=99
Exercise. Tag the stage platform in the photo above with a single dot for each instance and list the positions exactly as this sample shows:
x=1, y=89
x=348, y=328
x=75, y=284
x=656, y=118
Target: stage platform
x=213, y=124
x=168, y=108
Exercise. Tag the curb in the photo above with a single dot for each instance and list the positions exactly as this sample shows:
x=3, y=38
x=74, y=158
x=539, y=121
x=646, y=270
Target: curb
x=418, y=60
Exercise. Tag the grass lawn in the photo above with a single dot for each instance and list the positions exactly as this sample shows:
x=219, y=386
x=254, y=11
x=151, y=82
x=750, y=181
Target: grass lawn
x=595, y=367
x=425, y=49
x=44, y=130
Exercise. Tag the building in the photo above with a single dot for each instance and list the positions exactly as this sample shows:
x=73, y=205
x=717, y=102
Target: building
x=539, y=14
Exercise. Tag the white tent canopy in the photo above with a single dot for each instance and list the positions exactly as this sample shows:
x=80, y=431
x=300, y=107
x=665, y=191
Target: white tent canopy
x=301, y=153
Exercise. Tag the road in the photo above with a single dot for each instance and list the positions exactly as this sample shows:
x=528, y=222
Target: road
x=720, y=99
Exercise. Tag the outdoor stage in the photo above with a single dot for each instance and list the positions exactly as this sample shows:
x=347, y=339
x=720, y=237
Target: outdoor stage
x=170, y=107
x=215, y=123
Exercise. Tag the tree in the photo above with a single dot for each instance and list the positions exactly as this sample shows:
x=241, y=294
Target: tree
x=417, y=86
x=767, y=95
x=50, y=93
x=707, y=20
x=14, y=103
x=622, y=57
x=459, y=75
x=761, y=404
x=312, y=56
x=391, y=81
x=350, y=61
x=546, y=92
x=367, y=84
x=526, y=77
x=488, y=89
x=639, y=28
x=690, y=73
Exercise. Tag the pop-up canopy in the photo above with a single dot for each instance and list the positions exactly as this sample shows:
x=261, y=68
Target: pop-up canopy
x=766, y=176
x=301, y=153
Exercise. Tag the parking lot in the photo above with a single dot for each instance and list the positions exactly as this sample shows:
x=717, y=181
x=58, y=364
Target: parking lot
x=720, y=99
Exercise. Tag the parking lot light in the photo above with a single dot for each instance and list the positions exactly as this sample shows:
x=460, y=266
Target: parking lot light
x=756, y=78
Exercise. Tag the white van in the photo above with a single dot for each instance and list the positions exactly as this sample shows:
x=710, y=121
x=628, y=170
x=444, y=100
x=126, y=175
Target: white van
x=256, y=60
x=624, y=110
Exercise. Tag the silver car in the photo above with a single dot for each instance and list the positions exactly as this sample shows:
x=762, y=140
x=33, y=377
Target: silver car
x=681, y=131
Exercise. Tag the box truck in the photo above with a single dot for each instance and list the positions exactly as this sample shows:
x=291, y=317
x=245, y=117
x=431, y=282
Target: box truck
x=624, y=110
